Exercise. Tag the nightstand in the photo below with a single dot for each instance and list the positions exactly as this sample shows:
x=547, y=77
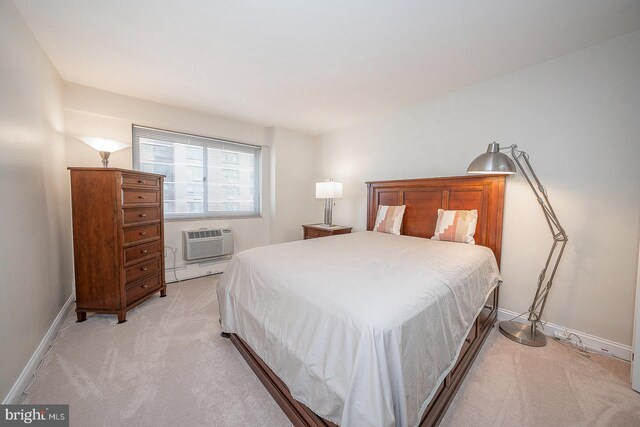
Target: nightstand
x=311, y=231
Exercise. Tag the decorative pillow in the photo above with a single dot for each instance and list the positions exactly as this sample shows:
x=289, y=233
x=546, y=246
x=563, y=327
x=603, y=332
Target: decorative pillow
x=389, y=219
x=456, y=226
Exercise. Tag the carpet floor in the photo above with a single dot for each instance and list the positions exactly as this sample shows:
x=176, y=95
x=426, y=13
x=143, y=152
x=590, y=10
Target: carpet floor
x=167, y=366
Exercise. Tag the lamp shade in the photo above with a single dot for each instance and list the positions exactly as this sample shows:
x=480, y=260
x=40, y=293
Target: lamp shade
x=492, y=162
x=328, y=190
x=103, y=144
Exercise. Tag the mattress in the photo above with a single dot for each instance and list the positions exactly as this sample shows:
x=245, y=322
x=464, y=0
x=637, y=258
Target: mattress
x=361, y=327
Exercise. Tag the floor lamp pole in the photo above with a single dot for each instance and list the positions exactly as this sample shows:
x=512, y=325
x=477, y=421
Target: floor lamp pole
x=528, y=334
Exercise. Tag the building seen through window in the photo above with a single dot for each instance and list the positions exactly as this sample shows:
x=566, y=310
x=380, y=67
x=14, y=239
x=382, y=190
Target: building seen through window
x=206, y=178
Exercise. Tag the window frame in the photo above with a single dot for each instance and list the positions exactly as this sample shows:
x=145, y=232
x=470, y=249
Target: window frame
x=173, y=137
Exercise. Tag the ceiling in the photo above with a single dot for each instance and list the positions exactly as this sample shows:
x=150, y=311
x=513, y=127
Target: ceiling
x=312, y=66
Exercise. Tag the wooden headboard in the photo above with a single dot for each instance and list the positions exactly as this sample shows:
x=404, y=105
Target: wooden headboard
x=423, y=197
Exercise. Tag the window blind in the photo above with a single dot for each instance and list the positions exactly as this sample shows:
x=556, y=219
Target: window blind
x=205, y=177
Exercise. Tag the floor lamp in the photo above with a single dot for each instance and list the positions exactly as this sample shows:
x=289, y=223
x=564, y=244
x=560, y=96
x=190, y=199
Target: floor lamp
x=492, y=162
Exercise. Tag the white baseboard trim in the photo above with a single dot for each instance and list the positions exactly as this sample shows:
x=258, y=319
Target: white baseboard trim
x=592, y=342
x=14, y=395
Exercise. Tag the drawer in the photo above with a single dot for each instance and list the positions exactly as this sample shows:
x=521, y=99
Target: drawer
x=138, y=196
x=468, y=340
x=141, y=181
x=465, y=347
x=142, y=289
x=311, y=234
x=337, y=232
x=487, y=311
x=144, y=269
x=141, y=234
x=139, y=252
x=138, y=215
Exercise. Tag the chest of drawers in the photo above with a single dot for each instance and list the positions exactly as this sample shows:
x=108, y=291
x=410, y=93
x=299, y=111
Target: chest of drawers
x=118, y=239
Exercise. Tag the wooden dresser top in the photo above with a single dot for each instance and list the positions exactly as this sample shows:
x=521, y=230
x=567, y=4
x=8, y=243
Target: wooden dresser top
x=102, y=169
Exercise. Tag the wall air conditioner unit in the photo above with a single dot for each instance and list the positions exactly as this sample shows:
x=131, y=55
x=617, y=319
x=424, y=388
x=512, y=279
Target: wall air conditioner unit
x=206, y=243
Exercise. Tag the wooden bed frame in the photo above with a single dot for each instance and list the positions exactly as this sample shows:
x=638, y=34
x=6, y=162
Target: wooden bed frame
x=423, y=198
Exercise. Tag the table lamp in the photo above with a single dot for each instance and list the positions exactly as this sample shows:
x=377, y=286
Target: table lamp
x=328, y=190
x=103, y=146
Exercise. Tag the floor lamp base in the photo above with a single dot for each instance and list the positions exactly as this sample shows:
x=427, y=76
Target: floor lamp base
x=522, y=333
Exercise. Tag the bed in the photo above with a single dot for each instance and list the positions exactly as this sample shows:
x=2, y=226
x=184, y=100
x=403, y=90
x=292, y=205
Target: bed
x=370, y=328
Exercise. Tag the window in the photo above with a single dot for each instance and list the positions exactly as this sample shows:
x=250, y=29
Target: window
x=231, y=175
x=232, y=192
x=194, y=153
x=229, y=157
x=230, y=206
x=204, y=177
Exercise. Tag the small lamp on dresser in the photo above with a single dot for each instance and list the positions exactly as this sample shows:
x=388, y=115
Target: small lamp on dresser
x=103, y=146
x=328, y=190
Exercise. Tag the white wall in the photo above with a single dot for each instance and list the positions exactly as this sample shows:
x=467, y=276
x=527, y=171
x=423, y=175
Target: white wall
x=578, y=116
x=35, y=218
x=292, y=183
x=94, y=112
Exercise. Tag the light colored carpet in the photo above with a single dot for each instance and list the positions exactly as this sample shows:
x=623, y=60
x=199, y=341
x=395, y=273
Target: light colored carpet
x=168, y=366
x=513, y=385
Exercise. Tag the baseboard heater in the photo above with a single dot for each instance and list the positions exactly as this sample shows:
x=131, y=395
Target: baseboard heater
x=207, y=243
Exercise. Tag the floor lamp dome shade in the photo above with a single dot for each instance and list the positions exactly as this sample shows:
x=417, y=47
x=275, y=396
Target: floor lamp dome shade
x=493, y=161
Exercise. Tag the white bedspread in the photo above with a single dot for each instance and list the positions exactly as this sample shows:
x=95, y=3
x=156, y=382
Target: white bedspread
x=361, y=327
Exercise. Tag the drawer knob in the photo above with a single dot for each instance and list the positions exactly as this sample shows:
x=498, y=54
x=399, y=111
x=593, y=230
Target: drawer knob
x=145, y=286
x=468, y=340
x=144, y=251
x=141, y=181
x=144, y=269
x=142, y=233
x=142, y=215
x=489, y=307
x=141, y=197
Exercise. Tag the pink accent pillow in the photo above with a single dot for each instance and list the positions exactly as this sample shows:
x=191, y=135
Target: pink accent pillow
x=389, y=219
x=456, y=226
